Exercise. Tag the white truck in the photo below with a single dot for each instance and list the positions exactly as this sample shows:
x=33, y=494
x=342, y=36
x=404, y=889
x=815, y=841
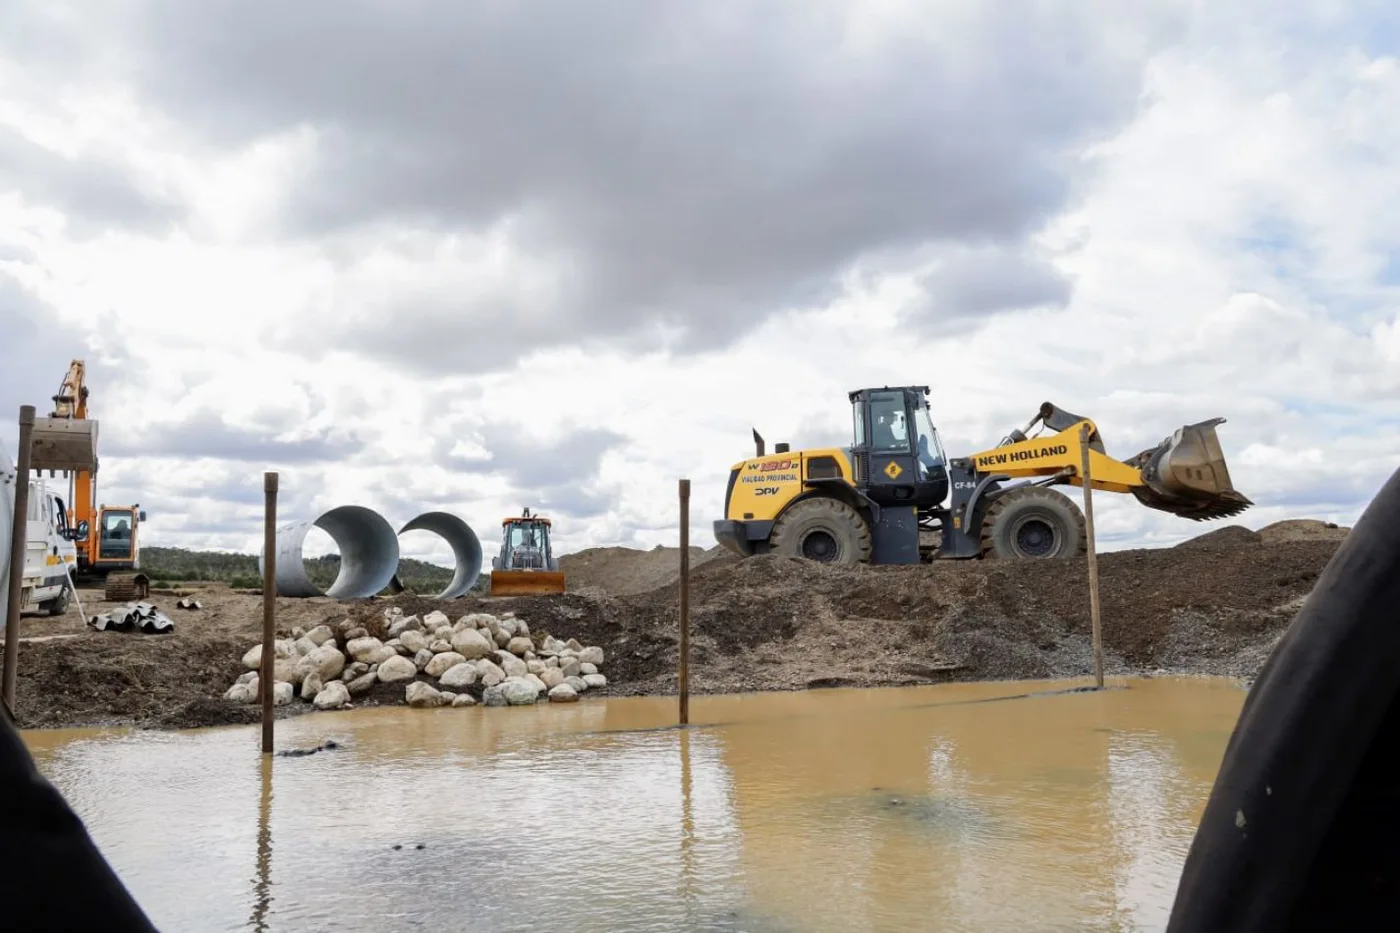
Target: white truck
x=50, y=553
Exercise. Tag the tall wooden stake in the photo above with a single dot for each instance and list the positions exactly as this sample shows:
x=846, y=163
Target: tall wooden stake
x=19, y=543
x=267, y=675
x=683, y=675
x=1086, y=476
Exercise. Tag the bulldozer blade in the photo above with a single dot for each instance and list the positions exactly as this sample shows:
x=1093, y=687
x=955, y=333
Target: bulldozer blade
x=526, y=582
x=1186, y=475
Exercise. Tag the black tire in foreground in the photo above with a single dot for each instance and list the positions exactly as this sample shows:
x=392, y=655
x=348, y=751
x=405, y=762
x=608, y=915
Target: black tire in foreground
x=823, y=529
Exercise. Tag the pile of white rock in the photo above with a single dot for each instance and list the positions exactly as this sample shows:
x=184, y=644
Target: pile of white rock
x=497, y=652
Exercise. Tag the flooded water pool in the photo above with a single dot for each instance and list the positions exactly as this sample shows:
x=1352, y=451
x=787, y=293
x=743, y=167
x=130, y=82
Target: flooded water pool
x=954, y=807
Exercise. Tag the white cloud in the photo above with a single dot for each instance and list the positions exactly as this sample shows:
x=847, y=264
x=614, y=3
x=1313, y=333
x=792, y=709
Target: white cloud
x=1231, y=249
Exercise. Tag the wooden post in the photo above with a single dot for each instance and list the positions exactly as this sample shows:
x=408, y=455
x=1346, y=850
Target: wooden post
x=683, y=674
x=19, y=544
x=1086, y=476
x=267, y=675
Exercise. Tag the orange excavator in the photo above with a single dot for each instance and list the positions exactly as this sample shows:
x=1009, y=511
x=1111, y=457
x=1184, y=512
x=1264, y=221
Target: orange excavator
x=526, y=565
x=106, y=536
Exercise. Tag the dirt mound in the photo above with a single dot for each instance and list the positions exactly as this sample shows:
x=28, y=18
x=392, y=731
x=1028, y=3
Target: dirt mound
x=1227, y=537
x=619, y=571
x=1302, y=529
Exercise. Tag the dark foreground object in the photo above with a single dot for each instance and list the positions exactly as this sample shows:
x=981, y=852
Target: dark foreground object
x=51, y=875
x=1302, y=829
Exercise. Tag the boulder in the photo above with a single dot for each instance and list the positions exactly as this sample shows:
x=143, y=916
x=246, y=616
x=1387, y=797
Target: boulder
x=551, y=677
x=304, y=646
x=471, y=644
x=595, y=680
x=414, y=641
x=593, y=655
x=500, y=637
x=551, y=646
x=563, y=693
x=585, y=669
x=357, y=669
x=311, y=686
x=441, y=645
x=281, y=648
x=421, y=695
x=488, y=673
x=333, y=696
x=325, y=660
x=572, y=668
x=577, y=683
x=573, y=645
x=513, y=666
x=404, y=624
x=473, y=621
x=435, y=620
x=396, y=669
x=361, y=649
x=520, y=692
x=282, y=693
x=508, y=624
x=463, y=699
x=362, y=684
x=320, y=635
x=444, y=634
x=462, y=674
x=518, y=646
x=240, y=693
x=494, y=696
x=354, y=631
x=539, y=684
x=382, y=654
x=439, y=664
x=534, y=666
x=521, y=628
x=421, y=659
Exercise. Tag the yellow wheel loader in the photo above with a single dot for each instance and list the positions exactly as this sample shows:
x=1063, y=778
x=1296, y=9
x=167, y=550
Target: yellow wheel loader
x=526, y=565
x=894, y=497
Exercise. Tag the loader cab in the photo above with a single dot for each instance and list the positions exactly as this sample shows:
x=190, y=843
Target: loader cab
x=898, y=455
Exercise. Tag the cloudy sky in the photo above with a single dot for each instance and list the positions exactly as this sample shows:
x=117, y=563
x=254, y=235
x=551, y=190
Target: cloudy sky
x=479, y=255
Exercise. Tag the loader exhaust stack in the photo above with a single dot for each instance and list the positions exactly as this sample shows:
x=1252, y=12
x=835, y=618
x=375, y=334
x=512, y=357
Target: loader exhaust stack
x=1186, y=475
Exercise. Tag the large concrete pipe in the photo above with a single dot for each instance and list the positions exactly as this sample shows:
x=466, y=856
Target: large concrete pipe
x=369, y=554
x=466, y=548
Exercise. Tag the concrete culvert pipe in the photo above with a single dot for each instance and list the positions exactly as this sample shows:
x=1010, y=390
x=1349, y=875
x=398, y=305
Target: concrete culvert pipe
x=466, y=549
x=369, y=554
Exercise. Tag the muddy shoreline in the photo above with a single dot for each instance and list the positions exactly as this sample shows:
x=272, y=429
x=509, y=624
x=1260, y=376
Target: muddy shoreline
x=1211, y=606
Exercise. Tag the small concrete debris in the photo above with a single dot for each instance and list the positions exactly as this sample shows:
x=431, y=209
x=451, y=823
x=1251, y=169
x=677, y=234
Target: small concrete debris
x=142, y=616
x=188, y=603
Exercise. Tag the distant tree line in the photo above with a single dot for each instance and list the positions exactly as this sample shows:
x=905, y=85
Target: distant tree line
x=172, y=565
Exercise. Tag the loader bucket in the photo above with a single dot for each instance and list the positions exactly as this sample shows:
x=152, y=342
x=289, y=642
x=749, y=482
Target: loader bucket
x=527, y=582
x=1186, y=475
x=68, y=444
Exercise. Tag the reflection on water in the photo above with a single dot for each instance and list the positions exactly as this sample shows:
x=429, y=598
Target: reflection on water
x=820, y=811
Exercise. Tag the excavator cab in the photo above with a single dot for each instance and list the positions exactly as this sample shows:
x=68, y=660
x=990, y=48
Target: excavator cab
x=526, y=565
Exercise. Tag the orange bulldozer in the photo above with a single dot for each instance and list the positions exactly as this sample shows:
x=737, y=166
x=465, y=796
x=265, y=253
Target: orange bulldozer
x=526, y=565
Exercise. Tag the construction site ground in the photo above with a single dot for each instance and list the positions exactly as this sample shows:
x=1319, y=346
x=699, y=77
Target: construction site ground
x=1213, y=605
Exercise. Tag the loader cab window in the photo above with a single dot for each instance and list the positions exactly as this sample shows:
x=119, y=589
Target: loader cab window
x=889, y=425
x=930, y=449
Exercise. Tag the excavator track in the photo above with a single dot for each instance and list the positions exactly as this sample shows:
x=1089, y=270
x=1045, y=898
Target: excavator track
x=125, y=587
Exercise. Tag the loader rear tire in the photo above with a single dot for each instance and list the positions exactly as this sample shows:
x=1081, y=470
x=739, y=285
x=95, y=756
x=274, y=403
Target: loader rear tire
x=1033, y=523
x=823, y=529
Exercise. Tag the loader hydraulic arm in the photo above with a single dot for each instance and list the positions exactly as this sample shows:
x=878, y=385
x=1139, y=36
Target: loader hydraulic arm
x=1185, y=474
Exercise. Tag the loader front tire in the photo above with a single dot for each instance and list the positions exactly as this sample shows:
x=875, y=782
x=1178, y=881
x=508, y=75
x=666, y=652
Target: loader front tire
x=1033, y=523
x=823, y=529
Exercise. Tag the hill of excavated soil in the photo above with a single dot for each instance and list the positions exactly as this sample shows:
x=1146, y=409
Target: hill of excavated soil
x=1213, y=605
x=619, y=571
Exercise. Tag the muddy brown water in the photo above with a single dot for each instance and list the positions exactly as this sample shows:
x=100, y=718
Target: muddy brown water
x=954, y=807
